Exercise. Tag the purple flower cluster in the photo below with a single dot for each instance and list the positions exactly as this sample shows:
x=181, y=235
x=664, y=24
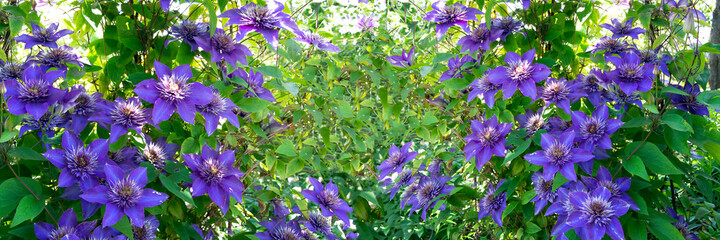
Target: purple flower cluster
x=487, y=139
x=450, y=15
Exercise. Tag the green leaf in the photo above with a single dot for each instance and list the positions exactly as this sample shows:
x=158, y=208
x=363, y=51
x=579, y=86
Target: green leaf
x=676, y=122
x=174, y=189
x=527, y=196
x=663, y=230
x=673, y=90
x=210, y=5
x=559, y=181
x=271, y=71
x=429, y=119
x=8, y=135
x=370, y=196
x=16, y=23
x=185, y=54
x=635, y=166
x=518, y=151
x=636, y=230
x=292, y=87
x=344, y=109
x=714, y=150
x=653, y=158
x=253, y=104
x=532, y=228
x=442, y=57
x=287, y=150
x=26, y=153
x=293, y=167
x=456, y=83
x=123, y=225
x=13, y=191
x=190, y=146
x=28, y=208
x=677, y=140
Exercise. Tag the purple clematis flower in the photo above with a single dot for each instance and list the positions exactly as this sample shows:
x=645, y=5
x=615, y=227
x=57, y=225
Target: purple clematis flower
x=428, y=193
x=122, y=115
x=188, y=31
x=124, y=195
x=43, y=36
x=560, y=92
x=315, y=40
x=480, y=38
x=173, y=93
x=57, y=58
x=596, y=214
x=622, y=29
x=34, y=94
x=689, y=103
x=396, y=160
x=102, y=233
x=408, y=194
x=279, y=229
x=435, y=166
x=493, y=204
x=486, y=88
x=507, y=25
x=404, y=60
x=125, y=158
x=559, y=155
x=157, y=153
x=327, y=198
x=68, y=228
x=533, y=122
x=261, y=19
x=622, y=100
x=79, y=164
x=165, y=5
x=563, y=207
x=11, y=70
x=317, y=223
x=255, y=82
x=691, y=13
x=591, y=85
x=220, y=107
x=450, y=15
x=367, y=23
x=214, y=174
x=617, y=188
x=84, y=105
x=543, y=190
x=405, y=178
x=610, y=46
x=682, y=225
x=630, y=73
x=46, y=124
x=279, y=208
x=651, y=57
x=223, y=47
x=520, y=73
x=455, y=68
x=594, y=130
x=147, y=230
x=487, y=139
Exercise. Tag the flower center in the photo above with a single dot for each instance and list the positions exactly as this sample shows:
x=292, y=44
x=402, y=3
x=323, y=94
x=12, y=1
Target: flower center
x=428, y=192
x=215, y=107
x=211, y=171
x=128, y=114
x=485, y=85
x=259, y=17
x=489, y=137
x=558, y=154
x=493, y=202
x=81, y=162
x=519, y=71
x=593, y=129
x=598, y=211
x=556, y=91
x=451, y=14
x=329, y=199
x=630, y=72
x=319, y=222
x=34, y=91
x=62, y=232
x=535, y=122
x=224, y=43
x=174, y=88
x=155, y=154
x=480, y=34
x=124, y=193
